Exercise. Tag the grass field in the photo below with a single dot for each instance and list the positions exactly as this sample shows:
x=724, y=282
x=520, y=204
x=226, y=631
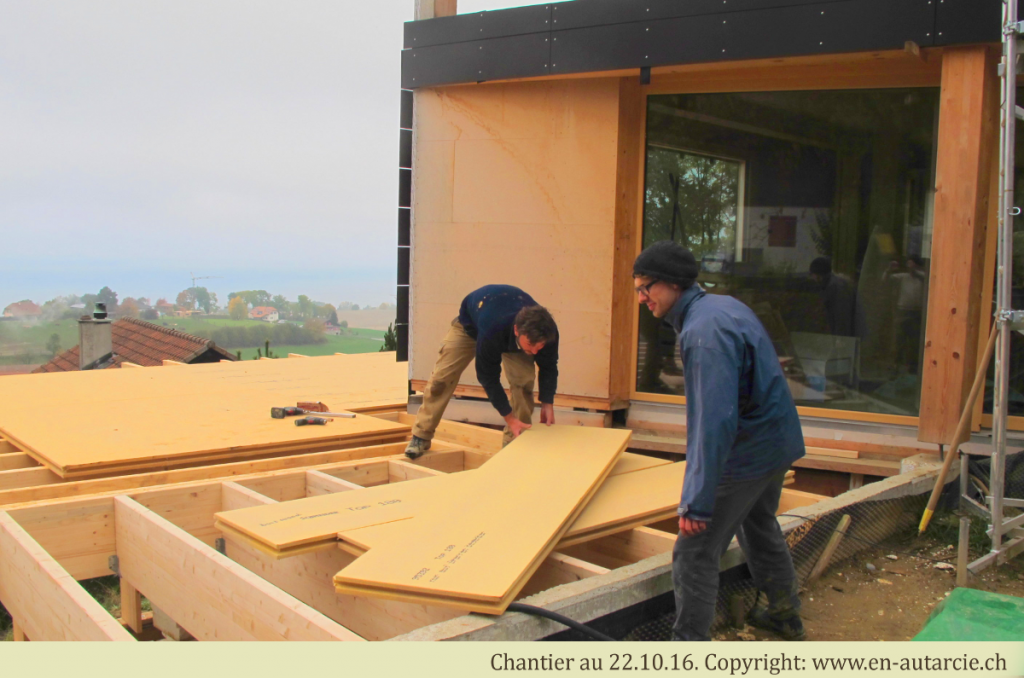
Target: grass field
x=356, y=344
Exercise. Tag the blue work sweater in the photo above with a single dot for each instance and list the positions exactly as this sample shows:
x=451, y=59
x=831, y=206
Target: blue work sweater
x=488, y=315
x=741, y=422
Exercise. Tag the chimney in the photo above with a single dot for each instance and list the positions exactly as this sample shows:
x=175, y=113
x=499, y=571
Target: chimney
x=95, y=340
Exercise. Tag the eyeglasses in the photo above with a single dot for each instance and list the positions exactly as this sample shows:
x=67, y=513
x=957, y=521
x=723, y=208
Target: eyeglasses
x=646, y=289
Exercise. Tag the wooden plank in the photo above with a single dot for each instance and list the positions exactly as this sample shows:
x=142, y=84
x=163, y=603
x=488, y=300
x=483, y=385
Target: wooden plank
x=172, y=363
x=279, y=487
x=318, y=483
x=497, y=530
x=968, y=110
x=17, y=633
x=235, y=496
x=7, y=447
x=308, y=578
x=792, y=499
x=47, y=602
x=628, y=208
x=830, y=549
x=561, y=399
x=871, y=467
x=16, y=460
x=210, y=595
x=482, y=412
x=136, y=481
x=439, y=459
x=833, y=452
x=560, y=569
x=625, y=548
x=129, y=365
x=988, y=279
x=474, y=437
x=131, y=607
x=399, y=471
x=78, y=535
x=866, y=70
x=297, y=355
x=28, y=477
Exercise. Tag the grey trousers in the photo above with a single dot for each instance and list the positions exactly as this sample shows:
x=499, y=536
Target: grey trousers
x=746, y=510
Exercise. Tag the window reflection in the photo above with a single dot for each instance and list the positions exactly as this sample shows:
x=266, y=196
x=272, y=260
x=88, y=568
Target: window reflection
x=814, y=209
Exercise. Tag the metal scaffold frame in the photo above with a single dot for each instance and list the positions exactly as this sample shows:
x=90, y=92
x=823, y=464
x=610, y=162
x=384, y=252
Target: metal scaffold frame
x=1007, y=535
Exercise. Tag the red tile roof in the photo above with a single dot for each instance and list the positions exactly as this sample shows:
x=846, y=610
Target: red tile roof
x=262, y=311
x=23, y=308
x=143, y=343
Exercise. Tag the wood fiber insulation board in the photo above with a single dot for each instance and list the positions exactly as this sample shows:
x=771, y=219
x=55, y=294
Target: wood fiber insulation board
x=535, y=158
x=46, y=601
x=623, y=502
x=155, y=429
x=476, y=548
x=286, y=526
x=205, y=592
x=172, y=401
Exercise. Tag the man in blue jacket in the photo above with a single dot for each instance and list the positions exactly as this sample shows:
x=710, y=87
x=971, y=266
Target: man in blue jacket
x=499, y=326
x=742, y=435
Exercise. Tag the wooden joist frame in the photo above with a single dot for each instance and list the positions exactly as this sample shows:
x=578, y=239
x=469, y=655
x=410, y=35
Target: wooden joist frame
x=165, y=540
x=209, y=594
x=43, y=599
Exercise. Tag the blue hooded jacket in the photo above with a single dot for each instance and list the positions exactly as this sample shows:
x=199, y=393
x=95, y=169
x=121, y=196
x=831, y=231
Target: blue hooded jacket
x=741, y=422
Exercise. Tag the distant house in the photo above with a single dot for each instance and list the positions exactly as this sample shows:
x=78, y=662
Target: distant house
x=266, y=313
x=23, y=310
x=137, y=341
x=331, y=328
x=165, y=308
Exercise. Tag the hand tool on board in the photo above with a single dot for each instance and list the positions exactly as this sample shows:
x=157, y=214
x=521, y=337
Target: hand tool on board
x=282, y=412
x=312, y=421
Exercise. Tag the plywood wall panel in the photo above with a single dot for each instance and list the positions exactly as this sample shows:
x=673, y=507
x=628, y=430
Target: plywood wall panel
x=515, y=183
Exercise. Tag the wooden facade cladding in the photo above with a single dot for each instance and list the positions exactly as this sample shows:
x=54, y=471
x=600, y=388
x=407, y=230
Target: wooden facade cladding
x=967, y=144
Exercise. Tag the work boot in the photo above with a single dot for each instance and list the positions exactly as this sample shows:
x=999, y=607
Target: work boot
x=416, y=447
x=788, y=627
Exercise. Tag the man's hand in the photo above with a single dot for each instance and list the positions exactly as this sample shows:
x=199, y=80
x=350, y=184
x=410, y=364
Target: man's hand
x=688, y=527
x=514, y=425
x=547, y=413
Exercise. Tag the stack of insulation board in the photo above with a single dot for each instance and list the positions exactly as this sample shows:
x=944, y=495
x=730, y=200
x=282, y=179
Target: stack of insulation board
x=104, y=422
x=472, y=540
x=638, y=490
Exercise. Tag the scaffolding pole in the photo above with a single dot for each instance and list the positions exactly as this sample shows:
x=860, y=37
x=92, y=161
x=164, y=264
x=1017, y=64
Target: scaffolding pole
x=1006, y=540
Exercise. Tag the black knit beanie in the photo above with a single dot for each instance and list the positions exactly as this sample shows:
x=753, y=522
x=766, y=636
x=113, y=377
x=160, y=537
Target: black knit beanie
x=668, y=261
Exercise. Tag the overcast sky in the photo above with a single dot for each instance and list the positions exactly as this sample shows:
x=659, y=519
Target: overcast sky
x=144, y=140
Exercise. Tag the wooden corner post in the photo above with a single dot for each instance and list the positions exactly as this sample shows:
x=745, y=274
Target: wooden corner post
x=627, y=233
x=967, y=141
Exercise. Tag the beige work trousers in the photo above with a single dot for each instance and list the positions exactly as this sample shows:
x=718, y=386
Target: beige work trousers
x=457, y=350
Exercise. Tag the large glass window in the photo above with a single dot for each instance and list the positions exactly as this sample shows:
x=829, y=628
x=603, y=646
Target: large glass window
x=814, y=209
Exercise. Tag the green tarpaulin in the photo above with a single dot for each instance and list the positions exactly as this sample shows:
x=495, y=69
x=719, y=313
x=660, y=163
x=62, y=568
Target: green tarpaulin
x=967, y=614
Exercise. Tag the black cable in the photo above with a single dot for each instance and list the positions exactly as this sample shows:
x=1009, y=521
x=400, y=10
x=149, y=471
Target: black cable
x=561, y=619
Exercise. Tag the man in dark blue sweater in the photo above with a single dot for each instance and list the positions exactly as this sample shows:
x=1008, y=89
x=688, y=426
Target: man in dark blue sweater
x=499, y=326
x=742, y=435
